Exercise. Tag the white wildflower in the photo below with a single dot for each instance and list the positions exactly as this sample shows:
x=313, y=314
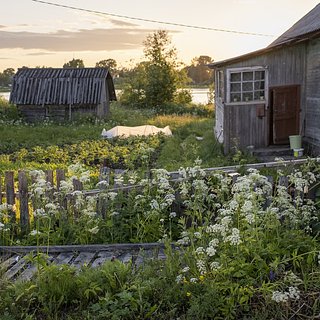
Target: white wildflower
x=66, y=186
x=185, y=269
x=35, y=232
x=294, y=293
x=1, y=225
x=179, y=278
x=114, y=213
x=234, y=238
x=201, y=266
x=39, y=213
x=211, y=251
x=279, y=296
x=197, y=235
x=172, y=215
x=103, y=184
x=154, y=204
x=94, y=230
x=112, y=195
x=200, y=250
x=193, y=280
x=215, y=265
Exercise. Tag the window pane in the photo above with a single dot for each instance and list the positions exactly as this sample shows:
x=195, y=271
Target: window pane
x=235, y=97
x=247, y=86
x=259, y=75
x=259, y=95
x=259, y=85
x=235, y=77
x=247, y=96
x=247, y=76
x=235, y=87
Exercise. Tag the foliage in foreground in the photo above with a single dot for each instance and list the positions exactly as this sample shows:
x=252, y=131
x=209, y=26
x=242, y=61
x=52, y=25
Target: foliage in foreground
x=245, y=251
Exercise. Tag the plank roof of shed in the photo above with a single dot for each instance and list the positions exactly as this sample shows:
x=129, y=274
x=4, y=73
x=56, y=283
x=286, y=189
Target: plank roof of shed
x=40, y=86
x=306, y=25
x=306, y=28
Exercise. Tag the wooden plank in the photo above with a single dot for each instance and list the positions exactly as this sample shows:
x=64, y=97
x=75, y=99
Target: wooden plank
x=80, y=248
x=6, y=264
x=15, y=269
x=49, y=179
x=24, y=202
x=101, y=258
x=84, y=258
x=61, y=176
x=10, y=194
x=30, y=270
x=64, y=258
x=0, y=189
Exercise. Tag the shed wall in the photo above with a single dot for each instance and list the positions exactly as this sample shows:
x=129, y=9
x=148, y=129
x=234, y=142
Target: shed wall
x=286, y=66
x=312, y=118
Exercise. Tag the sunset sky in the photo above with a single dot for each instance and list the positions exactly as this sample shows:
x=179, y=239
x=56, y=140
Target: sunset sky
x=36, y=34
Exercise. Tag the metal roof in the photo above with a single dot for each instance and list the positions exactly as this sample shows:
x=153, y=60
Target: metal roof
x=60, y=86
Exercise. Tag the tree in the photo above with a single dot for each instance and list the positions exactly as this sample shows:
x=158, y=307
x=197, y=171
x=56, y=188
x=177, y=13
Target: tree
x=156, y=80
x=199, y=72
x=74, y=63
x=162, y=76
x=6, y=77
x=110, y=64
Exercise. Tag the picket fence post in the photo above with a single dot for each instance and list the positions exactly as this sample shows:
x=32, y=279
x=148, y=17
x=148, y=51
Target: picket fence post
x=10, y=195
x=24, y=202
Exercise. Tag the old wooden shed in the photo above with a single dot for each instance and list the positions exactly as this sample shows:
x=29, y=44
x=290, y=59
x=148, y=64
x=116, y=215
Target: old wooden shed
x=62, y=93
x=265, y=96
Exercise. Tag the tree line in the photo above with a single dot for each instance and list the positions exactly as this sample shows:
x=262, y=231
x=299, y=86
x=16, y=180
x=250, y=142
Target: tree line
x=160, y=79
x=197, y=71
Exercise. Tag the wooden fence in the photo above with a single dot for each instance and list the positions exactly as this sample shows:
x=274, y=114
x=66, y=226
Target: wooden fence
x=10, y=190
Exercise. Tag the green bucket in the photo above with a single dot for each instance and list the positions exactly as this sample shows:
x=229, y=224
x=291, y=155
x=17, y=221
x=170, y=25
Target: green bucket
x=295, y=142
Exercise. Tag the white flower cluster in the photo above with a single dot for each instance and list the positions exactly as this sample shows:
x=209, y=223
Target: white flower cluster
x=292, y=293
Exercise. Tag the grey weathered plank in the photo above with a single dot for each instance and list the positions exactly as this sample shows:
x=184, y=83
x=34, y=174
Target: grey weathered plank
x=102, y=257
x=64, y=258
x=24, y=201
x=15, y=269
x=84, y=258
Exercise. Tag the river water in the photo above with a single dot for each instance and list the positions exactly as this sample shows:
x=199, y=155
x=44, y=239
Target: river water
x=199, y=95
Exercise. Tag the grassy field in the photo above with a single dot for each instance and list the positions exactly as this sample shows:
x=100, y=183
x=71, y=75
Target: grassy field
x=25, y=145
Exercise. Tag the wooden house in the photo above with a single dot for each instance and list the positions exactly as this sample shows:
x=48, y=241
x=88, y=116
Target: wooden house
x=265, y=96
x=62, y=93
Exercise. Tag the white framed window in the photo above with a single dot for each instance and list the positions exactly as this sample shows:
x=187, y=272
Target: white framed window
x=246, y=85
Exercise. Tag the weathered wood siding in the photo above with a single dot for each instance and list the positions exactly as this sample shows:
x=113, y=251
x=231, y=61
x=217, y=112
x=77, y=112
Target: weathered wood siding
x=219, y=114
x=243, y=128
x=285, y=66
x=312, y=119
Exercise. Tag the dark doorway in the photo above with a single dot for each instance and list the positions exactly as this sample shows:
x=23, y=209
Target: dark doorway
x=284, y=113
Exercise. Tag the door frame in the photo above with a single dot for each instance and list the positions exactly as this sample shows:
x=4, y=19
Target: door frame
x=298, y=108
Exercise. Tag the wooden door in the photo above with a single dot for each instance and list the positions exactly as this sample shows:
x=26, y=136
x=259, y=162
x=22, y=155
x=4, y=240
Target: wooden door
x=285, y=108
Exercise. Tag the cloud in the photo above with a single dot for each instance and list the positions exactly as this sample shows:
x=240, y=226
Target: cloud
x=81, y=40
x=122, y=23
x=42, y=53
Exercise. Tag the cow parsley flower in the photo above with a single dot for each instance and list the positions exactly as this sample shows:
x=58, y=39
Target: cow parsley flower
x=279, y=296
x=201, y=265
x=234, y=238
